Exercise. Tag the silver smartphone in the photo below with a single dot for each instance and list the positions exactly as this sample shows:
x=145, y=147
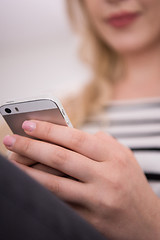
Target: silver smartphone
x=44, y=109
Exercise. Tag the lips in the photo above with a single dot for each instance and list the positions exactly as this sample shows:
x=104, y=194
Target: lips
x=123, y=19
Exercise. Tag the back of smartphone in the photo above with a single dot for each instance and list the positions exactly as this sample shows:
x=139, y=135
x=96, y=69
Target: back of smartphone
x=40, y=109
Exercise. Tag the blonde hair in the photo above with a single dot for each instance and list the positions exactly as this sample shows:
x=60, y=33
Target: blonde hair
x=102, y=60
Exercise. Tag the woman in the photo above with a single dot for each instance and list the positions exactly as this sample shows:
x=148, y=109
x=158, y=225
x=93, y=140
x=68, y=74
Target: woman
x=106, y=186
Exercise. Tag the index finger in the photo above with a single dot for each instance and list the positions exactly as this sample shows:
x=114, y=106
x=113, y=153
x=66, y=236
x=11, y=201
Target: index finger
x=71, y=138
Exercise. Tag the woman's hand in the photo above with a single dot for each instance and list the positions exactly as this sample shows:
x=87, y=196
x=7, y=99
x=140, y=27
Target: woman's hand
x=107, y=187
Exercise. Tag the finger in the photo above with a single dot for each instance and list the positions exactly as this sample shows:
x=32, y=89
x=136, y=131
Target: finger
x=64, y=160
x=47, y=169
x=76, y=140
x=67, y=189
x=20, y=159
x=14, y=157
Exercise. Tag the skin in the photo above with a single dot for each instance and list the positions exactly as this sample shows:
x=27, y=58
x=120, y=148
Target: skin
x=107, y=187
x=138, y=44
x=95, y=174
x=134, y=38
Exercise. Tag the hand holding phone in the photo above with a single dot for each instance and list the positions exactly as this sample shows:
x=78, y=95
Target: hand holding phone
x=43, y=109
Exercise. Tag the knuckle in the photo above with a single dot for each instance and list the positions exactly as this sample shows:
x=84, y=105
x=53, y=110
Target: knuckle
x=25, y=148
x=122, y=159
x=115, y=182
x=54, y=187
x=60, y=155
x=77, y=139
x=114, y=200
x=48, y=131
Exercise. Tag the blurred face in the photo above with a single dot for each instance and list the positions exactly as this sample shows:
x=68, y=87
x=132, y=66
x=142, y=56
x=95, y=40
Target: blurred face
x=126, y=25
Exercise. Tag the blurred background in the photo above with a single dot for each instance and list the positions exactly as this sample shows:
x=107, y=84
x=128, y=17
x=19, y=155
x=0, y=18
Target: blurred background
x=38, y=50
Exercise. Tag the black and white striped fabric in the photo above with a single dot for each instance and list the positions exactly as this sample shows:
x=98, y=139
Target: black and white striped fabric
x=135, y=124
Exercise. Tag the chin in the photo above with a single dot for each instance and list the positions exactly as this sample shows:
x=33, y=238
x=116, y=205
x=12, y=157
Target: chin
x=129, y=46
x=124, y=49
x=131, y=43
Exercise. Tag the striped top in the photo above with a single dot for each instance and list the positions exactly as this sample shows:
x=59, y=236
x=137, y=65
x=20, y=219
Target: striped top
x=135, y=124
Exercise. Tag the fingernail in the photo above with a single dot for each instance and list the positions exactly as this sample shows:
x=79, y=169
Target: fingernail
x=9, y=141
x=29, y=126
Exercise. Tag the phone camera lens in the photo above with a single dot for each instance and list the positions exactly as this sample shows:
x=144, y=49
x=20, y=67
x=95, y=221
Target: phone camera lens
x=7, y=110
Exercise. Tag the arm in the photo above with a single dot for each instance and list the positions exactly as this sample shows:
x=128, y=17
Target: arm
x=107, y=188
